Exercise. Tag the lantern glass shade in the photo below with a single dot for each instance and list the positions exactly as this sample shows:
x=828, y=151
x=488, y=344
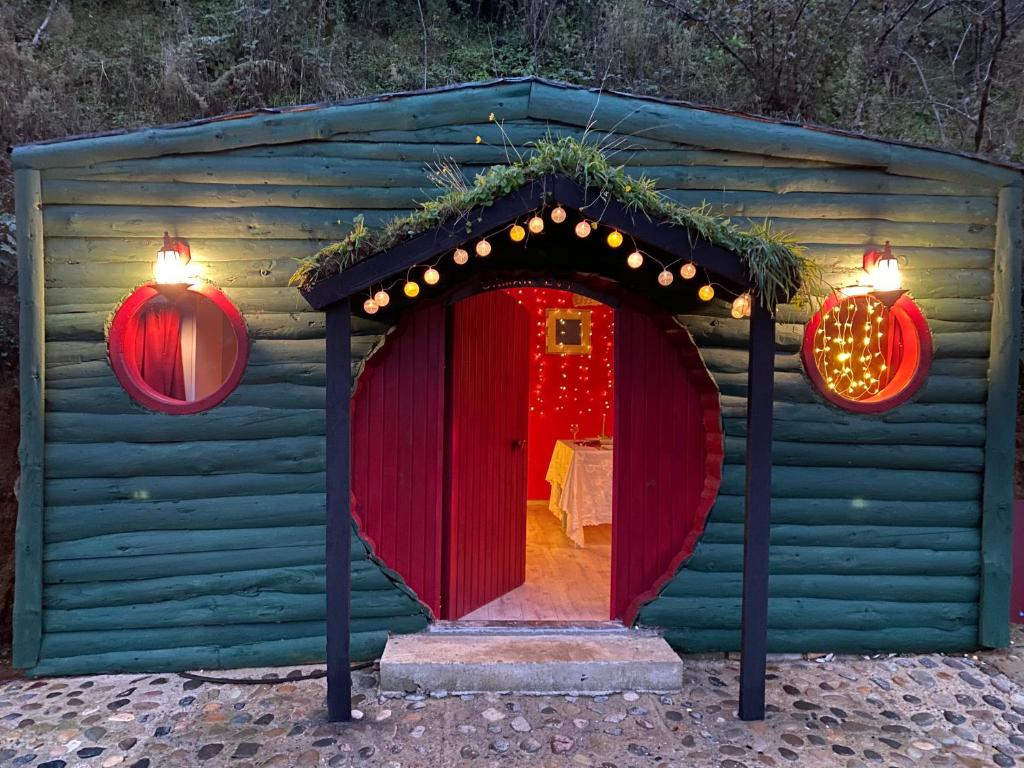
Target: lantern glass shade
x=178, y=348
x=172, y=263
x=886, y=275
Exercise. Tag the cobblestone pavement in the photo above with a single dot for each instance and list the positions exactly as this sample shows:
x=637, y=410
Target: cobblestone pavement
x=929, y=710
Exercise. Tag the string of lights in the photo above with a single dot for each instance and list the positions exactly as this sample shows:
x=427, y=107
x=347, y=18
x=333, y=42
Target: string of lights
x=535, y=224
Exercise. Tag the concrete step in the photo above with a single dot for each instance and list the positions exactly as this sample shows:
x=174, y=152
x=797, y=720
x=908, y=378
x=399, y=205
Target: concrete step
x=537, y=663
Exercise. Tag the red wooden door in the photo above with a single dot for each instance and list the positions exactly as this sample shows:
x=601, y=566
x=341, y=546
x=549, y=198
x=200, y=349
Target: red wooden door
x=488, y=410
x=668, y=455
x=398, y=449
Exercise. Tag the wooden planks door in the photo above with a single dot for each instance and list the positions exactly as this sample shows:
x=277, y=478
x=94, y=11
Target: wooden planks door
x=398, y=449
x=667, y=455
x=488, y=409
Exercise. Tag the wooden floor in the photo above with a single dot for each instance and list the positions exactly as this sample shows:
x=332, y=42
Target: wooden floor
x=563, y=583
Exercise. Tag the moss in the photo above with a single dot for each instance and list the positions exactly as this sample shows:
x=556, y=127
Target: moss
x=777, y=265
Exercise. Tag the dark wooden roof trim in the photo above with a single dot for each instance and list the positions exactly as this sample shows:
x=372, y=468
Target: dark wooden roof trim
x=532, y=196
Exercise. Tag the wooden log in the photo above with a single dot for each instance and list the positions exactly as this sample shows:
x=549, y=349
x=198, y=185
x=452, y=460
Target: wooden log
x=866, y=432
x=808, y=613
x=882, y=484
x=224, y=423
x=301, y=580
x=57, y=645
x=81, y=521
x=794, y=387
x=62, y=251
x=261, y=351
x=139, y=543
x=949, y=413
x=812, y=534
x=805, y=453
x=180, y=564
x=99, y=374
x=114, y=400
x=942, y=309
x=227, y=609
x=1000, y=421
x=848, y=256
x=282, y=454
x=953, y=589
x=84, y=299
x=887, y=640
x=705, y=128
x=99, y=490
x=28, y=536
x=276, y=223
x=213, y=194
x=855, y=511
x=442, y=107
x=841, y=560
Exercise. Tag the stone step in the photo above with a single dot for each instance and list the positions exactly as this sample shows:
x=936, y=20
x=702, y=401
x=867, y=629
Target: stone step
x=589, y=663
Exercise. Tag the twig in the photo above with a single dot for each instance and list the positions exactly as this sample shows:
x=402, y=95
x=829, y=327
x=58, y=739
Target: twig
x=38, y=36
x=423, y=24
x=928, y=94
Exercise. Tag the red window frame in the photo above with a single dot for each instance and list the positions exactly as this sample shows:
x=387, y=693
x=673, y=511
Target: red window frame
x=912, y=372
x=127, y=370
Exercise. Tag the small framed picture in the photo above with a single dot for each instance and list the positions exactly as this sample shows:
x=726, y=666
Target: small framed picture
x=568, y=332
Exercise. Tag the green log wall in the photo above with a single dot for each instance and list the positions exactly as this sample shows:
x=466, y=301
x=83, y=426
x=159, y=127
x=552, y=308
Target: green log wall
x=169, y=542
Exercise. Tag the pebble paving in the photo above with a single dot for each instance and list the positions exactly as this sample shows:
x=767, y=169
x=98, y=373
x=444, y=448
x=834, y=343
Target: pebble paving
x=854, y=712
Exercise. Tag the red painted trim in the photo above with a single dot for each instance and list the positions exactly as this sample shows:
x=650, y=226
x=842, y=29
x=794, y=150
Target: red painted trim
x=127, y=371
x=917, y=338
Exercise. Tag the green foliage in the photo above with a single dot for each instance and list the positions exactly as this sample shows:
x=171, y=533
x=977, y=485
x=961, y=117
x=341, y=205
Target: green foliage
x=777, y=265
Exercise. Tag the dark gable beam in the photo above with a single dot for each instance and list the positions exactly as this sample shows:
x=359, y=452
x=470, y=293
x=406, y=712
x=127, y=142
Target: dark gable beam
x=531, y=197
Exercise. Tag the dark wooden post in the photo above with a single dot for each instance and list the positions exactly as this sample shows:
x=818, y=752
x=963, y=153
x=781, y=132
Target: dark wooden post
x=339, y=513
x=757, y=518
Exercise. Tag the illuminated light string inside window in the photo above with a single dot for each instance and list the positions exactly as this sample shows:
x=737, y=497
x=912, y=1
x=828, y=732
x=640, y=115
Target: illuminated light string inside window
x=852, y=346
x=429, y=274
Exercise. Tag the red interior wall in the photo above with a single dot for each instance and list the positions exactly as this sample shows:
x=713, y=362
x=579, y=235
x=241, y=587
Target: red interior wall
x=564, y=389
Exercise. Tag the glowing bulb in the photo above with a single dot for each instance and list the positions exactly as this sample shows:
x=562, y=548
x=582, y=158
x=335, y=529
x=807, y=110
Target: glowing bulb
x=583, y=229
x=460, y=256
x=483, y=248
x=536, y=225
x=558, y=214
x=736, y=312
x=431, y=276
x=517, y=233
x=635, y=259
x=706, y=292
x=687, y=271
x=614, y=239
x=171, y=266
x=411, y=289
x=665, y=277
x=370, y=307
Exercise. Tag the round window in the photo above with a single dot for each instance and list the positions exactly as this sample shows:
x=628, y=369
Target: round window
x=177, y=348
x=865, y=354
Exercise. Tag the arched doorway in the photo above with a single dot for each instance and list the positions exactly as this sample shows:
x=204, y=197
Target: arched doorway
x=667, y=241
x=459, y=436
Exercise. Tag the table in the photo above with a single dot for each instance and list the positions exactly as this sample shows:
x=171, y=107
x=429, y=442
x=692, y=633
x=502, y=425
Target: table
x=581, y=486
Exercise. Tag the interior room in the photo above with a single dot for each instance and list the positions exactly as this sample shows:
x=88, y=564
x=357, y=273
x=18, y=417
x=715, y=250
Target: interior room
x=569, y=462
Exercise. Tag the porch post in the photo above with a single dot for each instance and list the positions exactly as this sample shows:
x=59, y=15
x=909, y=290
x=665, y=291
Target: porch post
x=756, y=524
x=339, y=513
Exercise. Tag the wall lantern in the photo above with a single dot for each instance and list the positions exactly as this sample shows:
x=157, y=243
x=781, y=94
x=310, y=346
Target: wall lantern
x=869, y=348
x=172, y=260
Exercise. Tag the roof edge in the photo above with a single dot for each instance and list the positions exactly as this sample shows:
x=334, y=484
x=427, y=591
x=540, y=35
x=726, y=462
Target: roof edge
x=282, y=125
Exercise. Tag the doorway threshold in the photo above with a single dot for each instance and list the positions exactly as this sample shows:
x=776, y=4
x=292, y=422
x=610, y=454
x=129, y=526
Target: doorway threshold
x=532, y=627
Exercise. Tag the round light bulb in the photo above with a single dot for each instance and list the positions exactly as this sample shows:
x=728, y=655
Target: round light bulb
x=706, y=293
x=635, y=259
x=664, y=277
x=687, y=271
x=460, y=256
x=558, y=214
x=370, y=307
x=583, y=229
x=382, y=298
x=431, y=276
x=483, y=248
x=536, y=225
x=614, y=239
x=517, y=233
x=411, y=289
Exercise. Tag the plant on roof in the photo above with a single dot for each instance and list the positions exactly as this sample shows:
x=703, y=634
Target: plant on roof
x=778, y=266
